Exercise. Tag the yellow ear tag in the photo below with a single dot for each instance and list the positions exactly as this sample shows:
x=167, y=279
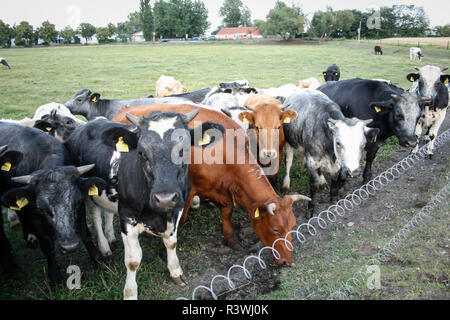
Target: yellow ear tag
x=377, y=109
x=93, y=191
x=411, y=79
x=22, y=202
x=245, y=120
x=287, y=120
x=48, y=129
x=121, y=146
x=206, y=139
x=446, y=80
x=252, y=92
x=257, y=213
x=6, y=166
x=374, y=139
x=94, y=99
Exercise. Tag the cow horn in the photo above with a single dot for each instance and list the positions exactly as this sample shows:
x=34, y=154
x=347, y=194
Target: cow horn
x=271, y=208
x=3, y=148
x=226, y=111
x=284, y=106
x=297, y=197
x=332, y=121
x=444, y=69
x=188, y=117
x=395, y=97
x=23, y=179
x=367, y=122
x=417, y=68
x=83, y=169
x=133, y=119
x=249, y=108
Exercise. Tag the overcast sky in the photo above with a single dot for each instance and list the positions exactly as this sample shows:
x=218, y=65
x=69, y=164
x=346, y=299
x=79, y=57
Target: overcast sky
x=101, y=12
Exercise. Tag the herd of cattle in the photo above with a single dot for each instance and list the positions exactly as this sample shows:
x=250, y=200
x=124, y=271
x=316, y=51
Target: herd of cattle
x=55, y=168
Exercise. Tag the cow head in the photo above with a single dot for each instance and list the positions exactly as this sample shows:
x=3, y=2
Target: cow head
x=162, y=146
x=430, y=83
x=8, y=162
x=83, y=103
x=402, y=113
x=59, y=126
x=332, y=73
x=267, y=118
x=275, y=221
x=349, y=139
x=56, y=197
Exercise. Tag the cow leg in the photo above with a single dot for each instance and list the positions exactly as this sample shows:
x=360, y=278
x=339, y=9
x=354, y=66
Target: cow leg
x=133, y=257
x=6, y=257
x=195, y=202
x=109, y=227
x=96, y=216
x=27, y=230
x=13, y=219
x=433, y=131
x=314, y=187
x=289, y=160
x=187, y=205
x=85, y=236
x=372, y=149
x=227, y=226
x=418, y=133
x=336, y=184
x=173, y=264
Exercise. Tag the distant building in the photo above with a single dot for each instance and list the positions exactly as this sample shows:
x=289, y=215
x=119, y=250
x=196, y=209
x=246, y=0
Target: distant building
x=138, y=37
x=239, y=33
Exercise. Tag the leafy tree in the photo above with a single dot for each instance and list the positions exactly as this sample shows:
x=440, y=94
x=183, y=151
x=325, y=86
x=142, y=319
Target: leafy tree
x=112, y=28
x=284, y=21
x=260, y=24
x=126, y=29
x=441, y=31
x=24, y=34
x=6, y=34
x=235, y=14
x=146, y=17
x=411, y=21
x=331, y=23
x=47, y=32
x=68, y=34
x=87, y=30
x=103, y=34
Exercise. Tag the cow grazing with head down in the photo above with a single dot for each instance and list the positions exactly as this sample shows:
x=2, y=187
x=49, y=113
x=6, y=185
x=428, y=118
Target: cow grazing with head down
x=231, y=179
x=147, y=179
x=415, y=53
x=3, y=62
x=378, y=50
x=333, y=73
x=393, y=111
x=266, y=116
x=330, y=142
x=48, y=194
x=430, y=83
x=166, y=86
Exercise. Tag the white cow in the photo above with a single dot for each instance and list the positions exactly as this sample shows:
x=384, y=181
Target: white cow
x=415, y=52
x=167, y=86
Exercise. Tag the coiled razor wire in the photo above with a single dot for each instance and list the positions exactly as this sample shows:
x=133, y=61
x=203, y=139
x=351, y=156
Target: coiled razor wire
x=348, y=287
x=345, y=205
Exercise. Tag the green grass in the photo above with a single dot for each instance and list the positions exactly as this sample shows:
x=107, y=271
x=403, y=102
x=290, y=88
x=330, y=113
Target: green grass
x=43, y=75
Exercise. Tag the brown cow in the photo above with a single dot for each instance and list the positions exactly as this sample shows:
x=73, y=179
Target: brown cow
x=229, y=184
x=266, y=117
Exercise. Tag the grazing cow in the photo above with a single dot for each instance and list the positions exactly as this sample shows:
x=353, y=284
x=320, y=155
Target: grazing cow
x=235, y=179
x=310, y=83
x=3, y=62
x=8, y=162
x=333, y=73
x=393, y=111
x=237, y=87
x=330, y=142
x=146, y=185
x=167, y=86
x=194, y=96
x=378, y=49
x=282, y=92
x=266, y=116
x=415, y=53
x=90, y=105
x=50, y=205
x=430, y=82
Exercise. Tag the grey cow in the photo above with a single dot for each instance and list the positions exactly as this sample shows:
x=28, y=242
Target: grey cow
x=90, y=105
x=329, y=141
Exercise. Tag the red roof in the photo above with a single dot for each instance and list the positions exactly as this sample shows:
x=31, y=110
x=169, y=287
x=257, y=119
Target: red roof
x=240, y=30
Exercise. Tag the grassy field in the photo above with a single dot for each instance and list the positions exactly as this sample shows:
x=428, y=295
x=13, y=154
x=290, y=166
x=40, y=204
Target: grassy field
x=441, y=41
x=42, y=75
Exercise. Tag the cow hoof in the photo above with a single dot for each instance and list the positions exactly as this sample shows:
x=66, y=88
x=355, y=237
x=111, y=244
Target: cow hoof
x=32, y=241
x=429, y=156
x=180, y=281
x=195, y=204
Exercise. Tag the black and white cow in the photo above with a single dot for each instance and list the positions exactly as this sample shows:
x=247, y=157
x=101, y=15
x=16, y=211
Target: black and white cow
x=90, y=105
x=8, y=162
x=3, y=62
x=333, y=73
x=430, y=82
x=226, y=103
x=48, y=194
x=145, y=184
x=330, y=142
x=415, y=53
x=393, y=110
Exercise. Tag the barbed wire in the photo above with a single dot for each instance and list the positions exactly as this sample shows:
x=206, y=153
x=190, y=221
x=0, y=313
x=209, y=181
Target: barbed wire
x=311, y=227
x=348, y=287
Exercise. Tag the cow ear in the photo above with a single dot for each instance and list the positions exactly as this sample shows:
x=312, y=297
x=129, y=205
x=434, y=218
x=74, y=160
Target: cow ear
x=18, y=198
x=324, y=73
x=45, y=125
x=288, y=115
x=382, y=107
x=445, y=78
x=413, y=77
x=94, y=97
x=246, y=117
x=9, y=160
x=92, y=186
x=207, y=134
x=371, y=134
x=226, y=111
x=121, y=139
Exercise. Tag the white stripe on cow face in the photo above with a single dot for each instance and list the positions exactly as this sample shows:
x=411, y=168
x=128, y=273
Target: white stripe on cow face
x=429, y=75
x=162, y=126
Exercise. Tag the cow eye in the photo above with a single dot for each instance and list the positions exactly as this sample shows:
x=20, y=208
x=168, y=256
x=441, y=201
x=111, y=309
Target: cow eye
x=338, y=144
x=79, y=99
x=143, y=156
x=400, y=117
x=275, y=230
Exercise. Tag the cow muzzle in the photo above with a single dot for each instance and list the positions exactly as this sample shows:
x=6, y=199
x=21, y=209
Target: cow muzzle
x=165, y=200
x=269, y=154
x=346, y=172
x=409, y=143
x=68, y=247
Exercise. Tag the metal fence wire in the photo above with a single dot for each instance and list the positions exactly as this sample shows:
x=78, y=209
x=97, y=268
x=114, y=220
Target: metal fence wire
x=329, y=216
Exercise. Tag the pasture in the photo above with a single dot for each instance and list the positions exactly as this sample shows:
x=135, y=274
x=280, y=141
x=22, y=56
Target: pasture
x=42, y=75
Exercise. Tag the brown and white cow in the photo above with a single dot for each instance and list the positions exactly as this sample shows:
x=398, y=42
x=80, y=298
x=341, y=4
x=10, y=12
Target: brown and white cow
x=166, y=86
x=266, y=116
x=234, y=179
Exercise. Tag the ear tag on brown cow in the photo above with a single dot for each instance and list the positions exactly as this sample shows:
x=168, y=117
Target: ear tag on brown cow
x=93, y=191
x=377, y=109
x=257, y=213
x=22, y=202
x=121, y=146
x=6, y=166
x=206, y=139
x=287, y=120
x=245, y=120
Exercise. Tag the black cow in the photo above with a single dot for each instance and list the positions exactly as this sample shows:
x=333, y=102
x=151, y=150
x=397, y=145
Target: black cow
x=333, y=73
x=48, y=194
x=90, y=105
x=3, y=62
x=393, y=110
x=195, y=96
x=147, y=178
x=430, y=82
x=378, y=50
